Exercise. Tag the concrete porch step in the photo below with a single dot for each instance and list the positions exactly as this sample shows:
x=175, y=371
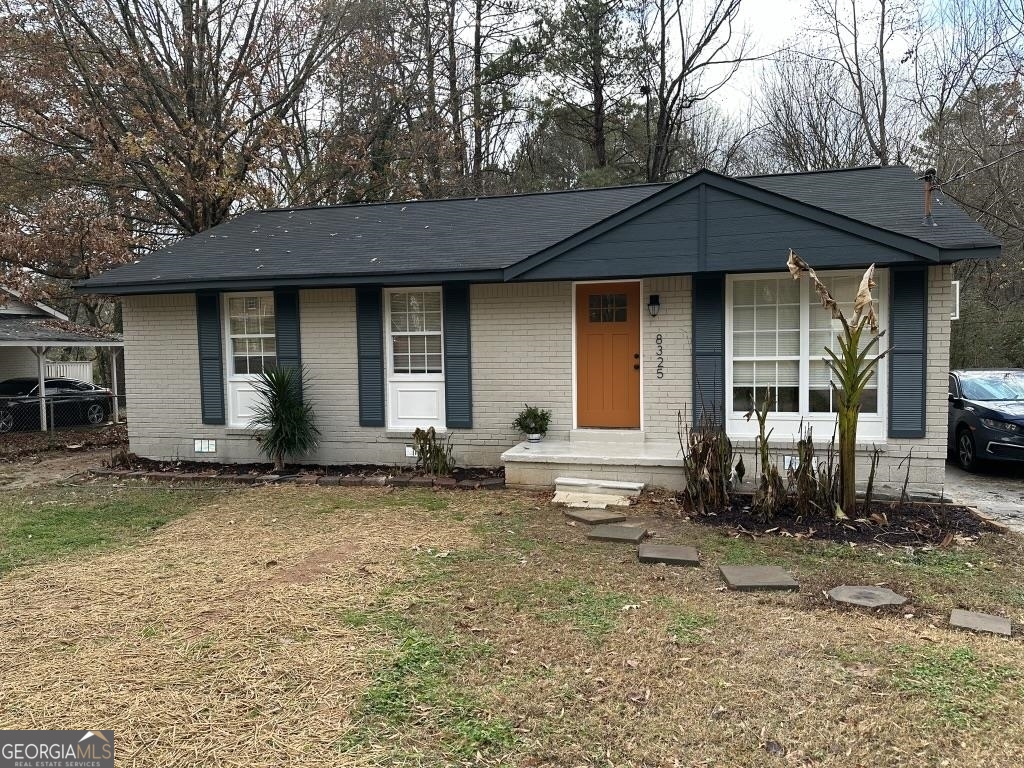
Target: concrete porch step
x=594, y=485
x=589, y=500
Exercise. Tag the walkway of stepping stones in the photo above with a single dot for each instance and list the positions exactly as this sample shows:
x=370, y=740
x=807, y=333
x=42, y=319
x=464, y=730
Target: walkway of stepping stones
x=609, y=526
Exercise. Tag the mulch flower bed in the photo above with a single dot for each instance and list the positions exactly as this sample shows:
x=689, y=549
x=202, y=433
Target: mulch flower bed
x=15, y=445
x=896, y=524
x=132, y=466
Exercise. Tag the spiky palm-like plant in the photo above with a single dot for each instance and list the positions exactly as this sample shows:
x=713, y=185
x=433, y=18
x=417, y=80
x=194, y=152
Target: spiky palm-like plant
x=283, y=420
x=852, y=367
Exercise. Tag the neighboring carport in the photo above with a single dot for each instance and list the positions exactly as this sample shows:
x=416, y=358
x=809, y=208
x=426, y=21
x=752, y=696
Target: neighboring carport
x=37, y=335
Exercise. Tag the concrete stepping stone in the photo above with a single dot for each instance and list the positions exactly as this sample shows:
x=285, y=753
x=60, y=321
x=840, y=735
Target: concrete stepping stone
x=866, y=596
x=626, y=534
x=979, y=622
x=669, y=554
x=595, y=516
x=749, y=578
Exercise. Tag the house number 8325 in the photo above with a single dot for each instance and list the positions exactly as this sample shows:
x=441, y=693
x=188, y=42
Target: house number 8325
x=659, y=351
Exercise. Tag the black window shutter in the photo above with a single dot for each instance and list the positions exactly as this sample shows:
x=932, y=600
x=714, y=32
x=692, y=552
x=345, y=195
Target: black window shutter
x=709, y=348
x=286, y=317
x=907, y=339
x=211, y=357
x=370, y=351
x=458, y=375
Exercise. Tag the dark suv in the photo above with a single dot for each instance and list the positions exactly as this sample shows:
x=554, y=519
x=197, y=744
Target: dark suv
x=986, y=416
x=72, y=402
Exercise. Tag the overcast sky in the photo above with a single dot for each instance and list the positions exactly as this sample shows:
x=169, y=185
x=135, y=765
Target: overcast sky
x=771, y=23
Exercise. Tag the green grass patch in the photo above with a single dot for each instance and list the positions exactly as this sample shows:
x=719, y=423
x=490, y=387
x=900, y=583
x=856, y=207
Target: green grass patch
x=959, y=686
x=414, y=695
x=44, y=525
x=569, y=602
x=686, y=627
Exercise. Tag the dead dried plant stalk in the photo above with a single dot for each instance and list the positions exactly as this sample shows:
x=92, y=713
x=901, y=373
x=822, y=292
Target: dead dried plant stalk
x=852, y=367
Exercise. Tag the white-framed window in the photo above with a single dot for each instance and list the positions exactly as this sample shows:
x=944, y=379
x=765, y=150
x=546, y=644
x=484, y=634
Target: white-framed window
x=414, y=340
x=250, y=341
x=776, y=335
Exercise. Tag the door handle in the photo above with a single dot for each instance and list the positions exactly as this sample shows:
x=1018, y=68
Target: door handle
x=636, y=366
x=636, y=355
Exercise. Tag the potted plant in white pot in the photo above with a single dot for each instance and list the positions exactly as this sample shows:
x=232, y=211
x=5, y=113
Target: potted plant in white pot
x=533, y=422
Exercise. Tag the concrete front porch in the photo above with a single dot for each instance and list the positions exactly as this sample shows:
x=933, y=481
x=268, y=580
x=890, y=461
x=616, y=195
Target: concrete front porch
x=656, y=463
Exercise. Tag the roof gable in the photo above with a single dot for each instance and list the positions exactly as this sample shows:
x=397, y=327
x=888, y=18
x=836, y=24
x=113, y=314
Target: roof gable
x=709, y=223
x=12, y=303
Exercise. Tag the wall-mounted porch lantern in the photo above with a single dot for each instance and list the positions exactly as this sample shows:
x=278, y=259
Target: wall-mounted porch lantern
x=654, y=304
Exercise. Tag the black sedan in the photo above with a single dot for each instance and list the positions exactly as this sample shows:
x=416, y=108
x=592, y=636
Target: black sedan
x=986, y=416
x=71, y=402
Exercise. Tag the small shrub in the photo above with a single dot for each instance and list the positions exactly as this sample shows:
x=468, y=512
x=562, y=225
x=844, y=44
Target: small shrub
x=433, y=453
x=283, y=420
x=815, y=484
x=532, y=420
x=707, y=463
x=770, y=496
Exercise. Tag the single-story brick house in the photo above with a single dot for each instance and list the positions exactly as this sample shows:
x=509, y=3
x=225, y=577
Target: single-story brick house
x=614, y=308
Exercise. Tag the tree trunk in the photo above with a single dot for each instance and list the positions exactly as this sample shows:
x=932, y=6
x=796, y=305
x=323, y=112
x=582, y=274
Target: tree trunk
x=848, y=418
x=478, y=105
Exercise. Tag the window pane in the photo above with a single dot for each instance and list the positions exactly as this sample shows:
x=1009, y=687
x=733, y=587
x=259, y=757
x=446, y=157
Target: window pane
x=788, y=400
x=767, y=291
x=767, y=318
x=237, y=325
x=743, y=319
x=399, y=302
x=820, y=400
x=869, y=401
x=789, y=373
x=743, y=345
x=417, y=363
x=789, y=317
x=789, y=291
x=819, y=373
x=743, y=373
x=399, y=321
x=236, y=307
x=789, y=343
x=269, y=346
x=766, y=344
x=401, y=344
x=431, y=301
x=433, y=344
x=434, y=364
x=432, y=321
x=743, y=292
x=742, y=398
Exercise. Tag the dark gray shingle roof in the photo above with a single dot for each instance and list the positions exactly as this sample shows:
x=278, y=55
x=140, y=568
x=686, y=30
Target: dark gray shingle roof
x=889, y=198
x=485, y=235
x=48, y=331
x=471, y=234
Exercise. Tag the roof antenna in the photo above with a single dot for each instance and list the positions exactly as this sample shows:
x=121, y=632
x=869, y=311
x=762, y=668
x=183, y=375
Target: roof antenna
x=930, y=180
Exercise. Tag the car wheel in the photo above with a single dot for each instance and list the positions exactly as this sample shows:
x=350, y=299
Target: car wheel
x=95, y=414
x=6, y=421
x=966, y=455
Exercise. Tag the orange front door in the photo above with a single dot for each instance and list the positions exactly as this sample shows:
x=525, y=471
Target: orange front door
x=608, y=355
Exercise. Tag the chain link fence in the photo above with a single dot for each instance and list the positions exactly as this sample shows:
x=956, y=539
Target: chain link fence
x=62, y=417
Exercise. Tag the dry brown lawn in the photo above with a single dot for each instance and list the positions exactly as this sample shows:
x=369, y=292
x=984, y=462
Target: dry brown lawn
x=319, y=626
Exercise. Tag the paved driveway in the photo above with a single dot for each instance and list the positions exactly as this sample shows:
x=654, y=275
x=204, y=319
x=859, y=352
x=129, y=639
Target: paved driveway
x=996, y=491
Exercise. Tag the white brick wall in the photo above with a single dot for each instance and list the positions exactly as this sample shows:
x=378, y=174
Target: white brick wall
x=522, y=353
x=665, y=397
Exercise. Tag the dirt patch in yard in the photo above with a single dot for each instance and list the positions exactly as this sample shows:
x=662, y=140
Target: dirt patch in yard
x=17, y=445
x=42, y=469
